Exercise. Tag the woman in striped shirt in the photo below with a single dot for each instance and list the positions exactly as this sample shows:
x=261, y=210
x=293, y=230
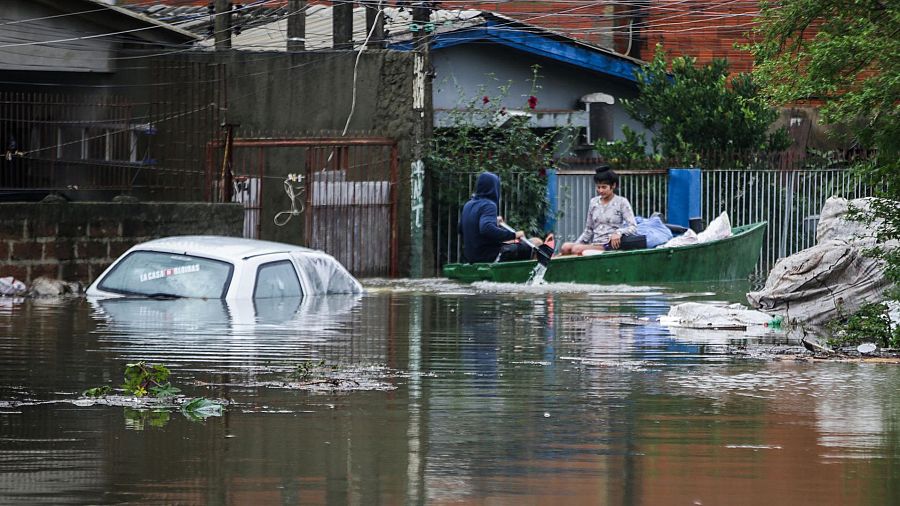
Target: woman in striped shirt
x=609, y=217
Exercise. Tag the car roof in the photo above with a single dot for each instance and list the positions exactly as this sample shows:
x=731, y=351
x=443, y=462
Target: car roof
x=226, y=248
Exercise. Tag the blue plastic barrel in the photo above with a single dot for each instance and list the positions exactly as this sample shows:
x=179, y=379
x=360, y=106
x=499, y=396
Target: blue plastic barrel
x=552, y=191
x=684, y=196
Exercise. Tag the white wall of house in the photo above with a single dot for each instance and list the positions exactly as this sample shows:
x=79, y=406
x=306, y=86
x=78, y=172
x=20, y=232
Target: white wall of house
x=463, y=71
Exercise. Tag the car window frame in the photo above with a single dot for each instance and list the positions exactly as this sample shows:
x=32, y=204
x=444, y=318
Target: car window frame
x=288, y=261
x=121, y=260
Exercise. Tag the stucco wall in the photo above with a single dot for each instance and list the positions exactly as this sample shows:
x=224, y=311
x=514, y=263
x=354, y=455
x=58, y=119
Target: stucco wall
x=467, y=71
x=76, y=241
x=310, y=95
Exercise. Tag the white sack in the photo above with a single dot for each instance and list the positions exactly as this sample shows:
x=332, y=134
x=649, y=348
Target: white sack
x=689, y=237
x=719, y=228
x=696, y=315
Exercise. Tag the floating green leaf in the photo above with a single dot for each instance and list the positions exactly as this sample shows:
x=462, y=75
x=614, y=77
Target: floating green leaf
x=200, y=408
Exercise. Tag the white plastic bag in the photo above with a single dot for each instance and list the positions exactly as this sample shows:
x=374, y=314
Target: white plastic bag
x=708, y=316
x=689, y=237
x=719, y=228
x=12, y=286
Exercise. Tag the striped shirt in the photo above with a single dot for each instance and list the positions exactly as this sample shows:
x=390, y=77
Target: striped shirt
x=604, y=220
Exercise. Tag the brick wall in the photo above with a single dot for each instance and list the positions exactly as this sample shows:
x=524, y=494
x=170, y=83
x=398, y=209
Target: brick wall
x=704, y=29
x=76, y=241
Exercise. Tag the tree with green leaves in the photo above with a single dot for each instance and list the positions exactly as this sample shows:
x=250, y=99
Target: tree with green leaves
x=845, y=53
x=492, y=132
x=696, y=109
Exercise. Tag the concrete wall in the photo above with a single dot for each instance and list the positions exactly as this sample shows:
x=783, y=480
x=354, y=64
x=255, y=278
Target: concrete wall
x=270, y=94
x=310, y=95
x=76, y=241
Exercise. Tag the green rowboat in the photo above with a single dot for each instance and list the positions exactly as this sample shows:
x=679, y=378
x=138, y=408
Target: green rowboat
x=727, y=259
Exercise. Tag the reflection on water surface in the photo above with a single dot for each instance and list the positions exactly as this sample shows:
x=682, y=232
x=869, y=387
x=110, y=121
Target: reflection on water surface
x=467, y=393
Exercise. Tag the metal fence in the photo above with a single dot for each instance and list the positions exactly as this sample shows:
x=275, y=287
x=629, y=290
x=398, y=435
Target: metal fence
x=84, y=144
x=67, y=142
x=447, y=246
x=790, y=201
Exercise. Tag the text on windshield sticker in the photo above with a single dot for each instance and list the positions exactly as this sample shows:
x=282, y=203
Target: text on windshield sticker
x=171, y=271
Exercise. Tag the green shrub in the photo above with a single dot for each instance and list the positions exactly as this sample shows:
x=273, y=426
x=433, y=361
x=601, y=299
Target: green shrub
x=491, y=132
x=869, y=324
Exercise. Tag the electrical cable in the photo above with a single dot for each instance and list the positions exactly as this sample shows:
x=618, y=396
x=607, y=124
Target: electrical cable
x=509, y=26
x=288, y=182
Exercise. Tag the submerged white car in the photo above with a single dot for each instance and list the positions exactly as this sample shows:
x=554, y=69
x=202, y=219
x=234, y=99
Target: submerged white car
x=213, y=267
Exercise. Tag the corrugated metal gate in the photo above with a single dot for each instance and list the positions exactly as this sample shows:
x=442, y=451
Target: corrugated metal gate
x=342, y=193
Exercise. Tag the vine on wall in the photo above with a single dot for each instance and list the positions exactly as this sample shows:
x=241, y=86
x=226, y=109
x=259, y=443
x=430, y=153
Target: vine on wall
x=492, y=132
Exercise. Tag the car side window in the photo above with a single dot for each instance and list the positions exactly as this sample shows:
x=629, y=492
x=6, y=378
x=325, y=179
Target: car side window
x=277, y=279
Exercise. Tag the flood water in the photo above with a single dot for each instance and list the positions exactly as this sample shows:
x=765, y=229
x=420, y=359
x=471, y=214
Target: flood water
x=441, y=394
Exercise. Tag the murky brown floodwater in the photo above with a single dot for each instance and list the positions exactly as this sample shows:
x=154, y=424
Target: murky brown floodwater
x=451, y=394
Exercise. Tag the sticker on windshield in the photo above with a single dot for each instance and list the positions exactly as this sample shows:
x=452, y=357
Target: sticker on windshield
x=171, y=271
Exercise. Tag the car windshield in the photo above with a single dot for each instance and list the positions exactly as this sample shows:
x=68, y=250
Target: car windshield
x=156, y=274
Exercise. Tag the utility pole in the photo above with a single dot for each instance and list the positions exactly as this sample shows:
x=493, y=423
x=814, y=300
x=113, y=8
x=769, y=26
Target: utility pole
x=222, y=24
x=421, y=99
x=375, y=23
x=296, y=25
x=342, y=24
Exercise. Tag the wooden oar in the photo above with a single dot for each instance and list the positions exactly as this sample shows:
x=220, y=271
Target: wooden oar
x=543, y=253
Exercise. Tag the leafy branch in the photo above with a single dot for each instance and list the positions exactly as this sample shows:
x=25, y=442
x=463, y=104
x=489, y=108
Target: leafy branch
x=493, y=132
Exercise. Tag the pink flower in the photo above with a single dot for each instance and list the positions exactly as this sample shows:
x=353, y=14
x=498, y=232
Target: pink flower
x=532, y=101
x=485, y=99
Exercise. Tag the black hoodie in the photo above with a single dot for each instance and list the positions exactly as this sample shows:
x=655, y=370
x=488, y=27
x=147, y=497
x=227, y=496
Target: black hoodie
x=482, y=237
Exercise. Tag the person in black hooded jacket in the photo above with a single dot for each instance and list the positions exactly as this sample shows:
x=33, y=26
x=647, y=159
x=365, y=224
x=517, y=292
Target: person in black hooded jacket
x=483, y=239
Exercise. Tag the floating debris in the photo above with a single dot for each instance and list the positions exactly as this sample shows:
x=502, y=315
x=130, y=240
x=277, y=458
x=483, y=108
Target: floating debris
x=629, y=365
x=867, y=348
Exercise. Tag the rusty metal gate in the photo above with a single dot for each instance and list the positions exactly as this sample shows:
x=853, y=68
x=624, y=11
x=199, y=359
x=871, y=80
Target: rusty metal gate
x=341, y=193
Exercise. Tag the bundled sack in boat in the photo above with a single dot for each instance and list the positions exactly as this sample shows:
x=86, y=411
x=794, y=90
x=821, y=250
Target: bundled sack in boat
x=654, y=230
x=688, y=237
x=833, y=277
x=719, y=228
